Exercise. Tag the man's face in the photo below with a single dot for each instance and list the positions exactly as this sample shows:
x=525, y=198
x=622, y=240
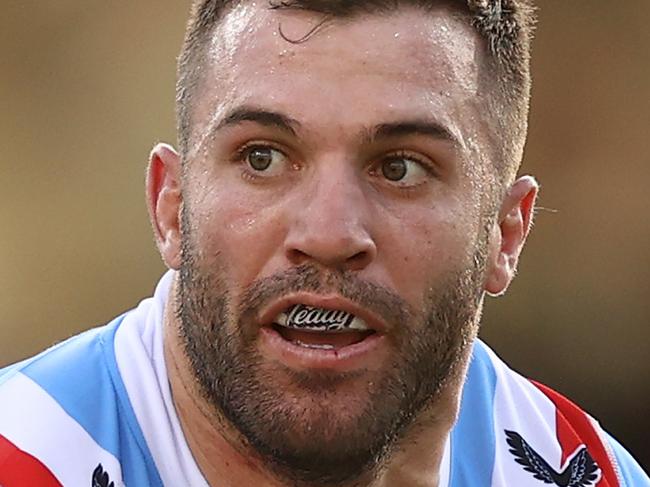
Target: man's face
x=344, y=173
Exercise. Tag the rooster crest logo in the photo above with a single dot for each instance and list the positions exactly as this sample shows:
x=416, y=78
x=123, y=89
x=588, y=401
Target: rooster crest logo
x=579, y=469
x=101, y=478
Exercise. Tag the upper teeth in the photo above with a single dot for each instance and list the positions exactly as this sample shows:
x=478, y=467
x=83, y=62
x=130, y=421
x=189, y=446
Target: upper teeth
x=320, y=319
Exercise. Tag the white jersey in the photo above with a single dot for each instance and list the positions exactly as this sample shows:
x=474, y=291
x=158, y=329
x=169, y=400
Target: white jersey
x=96, y=411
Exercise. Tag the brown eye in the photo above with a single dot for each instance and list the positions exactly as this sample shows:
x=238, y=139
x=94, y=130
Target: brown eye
x=260, y=158
x=263, y=161
x=403, y=169
x=394, y=169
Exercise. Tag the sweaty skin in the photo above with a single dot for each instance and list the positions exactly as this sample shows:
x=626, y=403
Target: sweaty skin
x=325, y=200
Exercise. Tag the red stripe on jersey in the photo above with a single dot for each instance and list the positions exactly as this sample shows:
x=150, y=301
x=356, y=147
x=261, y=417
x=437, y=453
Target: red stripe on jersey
x=20, y=469
x=574, y=428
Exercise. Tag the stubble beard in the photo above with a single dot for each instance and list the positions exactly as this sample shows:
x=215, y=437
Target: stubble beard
x=312, y=433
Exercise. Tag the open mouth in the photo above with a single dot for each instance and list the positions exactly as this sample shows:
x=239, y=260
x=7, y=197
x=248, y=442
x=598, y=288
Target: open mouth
x=320, y=328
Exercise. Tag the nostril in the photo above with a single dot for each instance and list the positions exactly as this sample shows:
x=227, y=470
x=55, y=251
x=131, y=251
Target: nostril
x=330, y=249
x=297, y=256
x=358, y=261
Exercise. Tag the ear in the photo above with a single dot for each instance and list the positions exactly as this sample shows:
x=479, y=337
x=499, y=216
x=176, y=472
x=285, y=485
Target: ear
x=164, y=201
x=509, y=233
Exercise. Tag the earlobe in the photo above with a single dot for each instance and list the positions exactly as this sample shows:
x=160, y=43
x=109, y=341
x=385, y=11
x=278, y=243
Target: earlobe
x=164, y=201
x=509, y=234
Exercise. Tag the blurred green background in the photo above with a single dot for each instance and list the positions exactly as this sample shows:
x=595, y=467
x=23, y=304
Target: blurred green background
x=87, y=87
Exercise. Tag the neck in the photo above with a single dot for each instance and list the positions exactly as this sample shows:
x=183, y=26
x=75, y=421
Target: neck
x=226, y=461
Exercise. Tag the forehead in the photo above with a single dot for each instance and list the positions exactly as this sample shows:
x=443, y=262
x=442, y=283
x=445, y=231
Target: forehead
x=253, y=29
x=352, y=72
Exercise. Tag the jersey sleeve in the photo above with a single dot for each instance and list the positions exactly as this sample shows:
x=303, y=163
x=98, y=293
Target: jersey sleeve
x=574, y=426
x=19, y=468
x=629, y=470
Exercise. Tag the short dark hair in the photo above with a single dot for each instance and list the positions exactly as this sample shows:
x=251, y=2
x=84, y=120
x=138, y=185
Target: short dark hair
x=506, y=26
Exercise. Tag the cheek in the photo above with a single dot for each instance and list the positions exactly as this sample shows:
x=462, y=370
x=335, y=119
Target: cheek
x=424, y=248
x=238, y=230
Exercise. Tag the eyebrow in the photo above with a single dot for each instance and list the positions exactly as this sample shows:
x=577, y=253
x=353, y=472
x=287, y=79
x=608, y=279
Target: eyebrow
x=412, y=127
x=269, y=118
x=260, y=116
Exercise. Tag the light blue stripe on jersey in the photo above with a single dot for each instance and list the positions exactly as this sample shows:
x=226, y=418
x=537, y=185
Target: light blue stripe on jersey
x=472, y=439
x=82, y=376
x=632, y=473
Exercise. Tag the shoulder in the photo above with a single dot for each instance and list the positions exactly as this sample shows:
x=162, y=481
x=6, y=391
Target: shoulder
x=518, y=432
x=48, y=412
x=64, y=413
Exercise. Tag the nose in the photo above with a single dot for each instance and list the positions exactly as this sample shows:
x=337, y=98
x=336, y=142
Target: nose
x=330, y=225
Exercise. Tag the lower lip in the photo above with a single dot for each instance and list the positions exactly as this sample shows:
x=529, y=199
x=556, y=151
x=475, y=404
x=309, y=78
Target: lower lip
x=355, y=356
